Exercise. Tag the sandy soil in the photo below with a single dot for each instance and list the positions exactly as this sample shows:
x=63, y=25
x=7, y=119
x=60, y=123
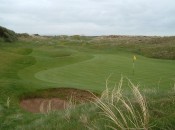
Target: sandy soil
x=44, y=105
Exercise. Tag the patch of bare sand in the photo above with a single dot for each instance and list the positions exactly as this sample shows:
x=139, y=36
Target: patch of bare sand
x=47, y=103
x=41, y=105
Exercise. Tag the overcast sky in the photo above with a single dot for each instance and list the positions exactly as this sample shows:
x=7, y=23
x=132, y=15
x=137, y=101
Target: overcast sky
x=89, y=17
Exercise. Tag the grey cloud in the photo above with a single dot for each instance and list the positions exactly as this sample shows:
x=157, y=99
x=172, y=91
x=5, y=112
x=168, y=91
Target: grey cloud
x=89, y=17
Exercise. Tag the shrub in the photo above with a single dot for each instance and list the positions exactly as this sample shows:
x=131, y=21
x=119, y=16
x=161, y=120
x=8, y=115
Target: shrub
x=23, y=35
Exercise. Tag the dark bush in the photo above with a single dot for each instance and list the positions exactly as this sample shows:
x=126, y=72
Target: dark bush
x=36, y=34
x=23, y=35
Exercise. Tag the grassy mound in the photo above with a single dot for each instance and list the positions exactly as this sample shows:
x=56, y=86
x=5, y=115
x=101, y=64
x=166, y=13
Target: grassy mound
x=7, y=35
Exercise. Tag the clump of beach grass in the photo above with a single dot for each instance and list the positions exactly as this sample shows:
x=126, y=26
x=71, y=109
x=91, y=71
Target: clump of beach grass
x=122, y=112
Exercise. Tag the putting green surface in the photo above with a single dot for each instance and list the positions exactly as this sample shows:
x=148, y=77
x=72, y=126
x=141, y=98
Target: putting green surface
x=90, y=70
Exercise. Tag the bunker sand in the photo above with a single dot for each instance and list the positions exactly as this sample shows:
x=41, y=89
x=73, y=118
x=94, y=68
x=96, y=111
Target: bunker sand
x=60, y=100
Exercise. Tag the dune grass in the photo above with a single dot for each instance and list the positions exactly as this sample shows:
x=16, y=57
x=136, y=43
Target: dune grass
x=123, y=112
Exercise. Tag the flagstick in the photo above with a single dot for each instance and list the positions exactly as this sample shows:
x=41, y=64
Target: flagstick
x=133, y=65
x=133, y=68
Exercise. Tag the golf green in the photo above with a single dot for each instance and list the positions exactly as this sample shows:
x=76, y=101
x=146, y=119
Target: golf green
x=92, y=73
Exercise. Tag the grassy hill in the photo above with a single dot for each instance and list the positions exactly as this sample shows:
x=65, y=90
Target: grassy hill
x=7, y=35
x=37, y=63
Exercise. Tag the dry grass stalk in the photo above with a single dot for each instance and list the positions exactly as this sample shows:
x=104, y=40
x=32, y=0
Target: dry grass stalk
x=71, y=105
x=8, y=102
x=121, y=111
x=41, y=108
x=84, y=119
x=49, y=106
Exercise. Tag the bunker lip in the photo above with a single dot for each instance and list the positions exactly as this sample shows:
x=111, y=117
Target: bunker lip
x=55, y=99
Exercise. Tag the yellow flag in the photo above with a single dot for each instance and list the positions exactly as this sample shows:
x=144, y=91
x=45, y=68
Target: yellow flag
x=134, y=58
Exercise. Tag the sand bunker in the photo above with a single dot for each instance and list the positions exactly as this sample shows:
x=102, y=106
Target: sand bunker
x=42, y=105
x=55, y=99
